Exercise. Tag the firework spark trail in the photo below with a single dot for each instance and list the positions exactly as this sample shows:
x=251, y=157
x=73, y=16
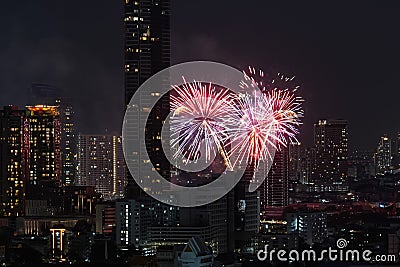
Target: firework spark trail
x=280, y=90
x=197, y=118
x=255, y=131
x=288, y=112
x=269, y=120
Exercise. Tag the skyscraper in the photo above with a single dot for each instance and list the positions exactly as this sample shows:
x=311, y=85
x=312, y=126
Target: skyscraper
x=68, y=143
x=275, y=188
x=331, y=150
x=383, y=156
x=101, y=164
x=45, y=145
x=307, y=167
x=45, y=94
x=147, y=41
x=294, y=158
x=147, y=51
x=14, y=151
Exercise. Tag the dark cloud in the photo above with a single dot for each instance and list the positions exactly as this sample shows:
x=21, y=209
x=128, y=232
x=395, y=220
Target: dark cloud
x=344, y=54
x=74, y=45
x=196, y=46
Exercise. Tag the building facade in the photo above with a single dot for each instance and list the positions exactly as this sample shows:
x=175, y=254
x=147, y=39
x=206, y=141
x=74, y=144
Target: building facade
x=331, y=151
x=14, y=152
x=147, y=51
x=45, y=147
x=101, y=164
x=275, y=188
x=383, y=156
x=311, y=226
x=68, y=144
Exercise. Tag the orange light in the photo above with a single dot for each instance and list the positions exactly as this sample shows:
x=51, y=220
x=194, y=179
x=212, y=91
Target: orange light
x=53, y=110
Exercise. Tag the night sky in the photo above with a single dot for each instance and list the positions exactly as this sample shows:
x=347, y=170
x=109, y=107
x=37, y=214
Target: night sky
x=345, y=55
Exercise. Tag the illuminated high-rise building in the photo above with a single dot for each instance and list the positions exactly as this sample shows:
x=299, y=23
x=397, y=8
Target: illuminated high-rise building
x=45, y=146
x=275, y=188
x=383, y=156
x=68, y=143
x=331, y=151
x=147, y=51
x=147, y=41
x=13, y=160
x=50, y=95
x=101, y=164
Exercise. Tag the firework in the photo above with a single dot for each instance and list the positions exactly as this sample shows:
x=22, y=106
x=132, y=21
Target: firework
x=197, y=125
x=255, y=132
x=244, y=128
x=268, y=119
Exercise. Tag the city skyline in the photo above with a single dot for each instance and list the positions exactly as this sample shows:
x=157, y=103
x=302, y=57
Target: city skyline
x=72, y=192
x=341, y=75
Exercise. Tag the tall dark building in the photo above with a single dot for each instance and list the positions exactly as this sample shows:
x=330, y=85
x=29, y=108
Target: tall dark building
x=243, y=219
x=307, y=168
x=383, y=156
x=275, y=188
x=147, y=41
x=361, y=165
x=14, y=149
x=147, y=51
x=68, y=143
x=294, y=157
x=331, y=151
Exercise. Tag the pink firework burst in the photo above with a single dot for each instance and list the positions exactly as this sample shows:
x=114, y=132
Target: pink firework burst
x=255, y=133
x=244, y=128
x=197, y=124
x=267, y=120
